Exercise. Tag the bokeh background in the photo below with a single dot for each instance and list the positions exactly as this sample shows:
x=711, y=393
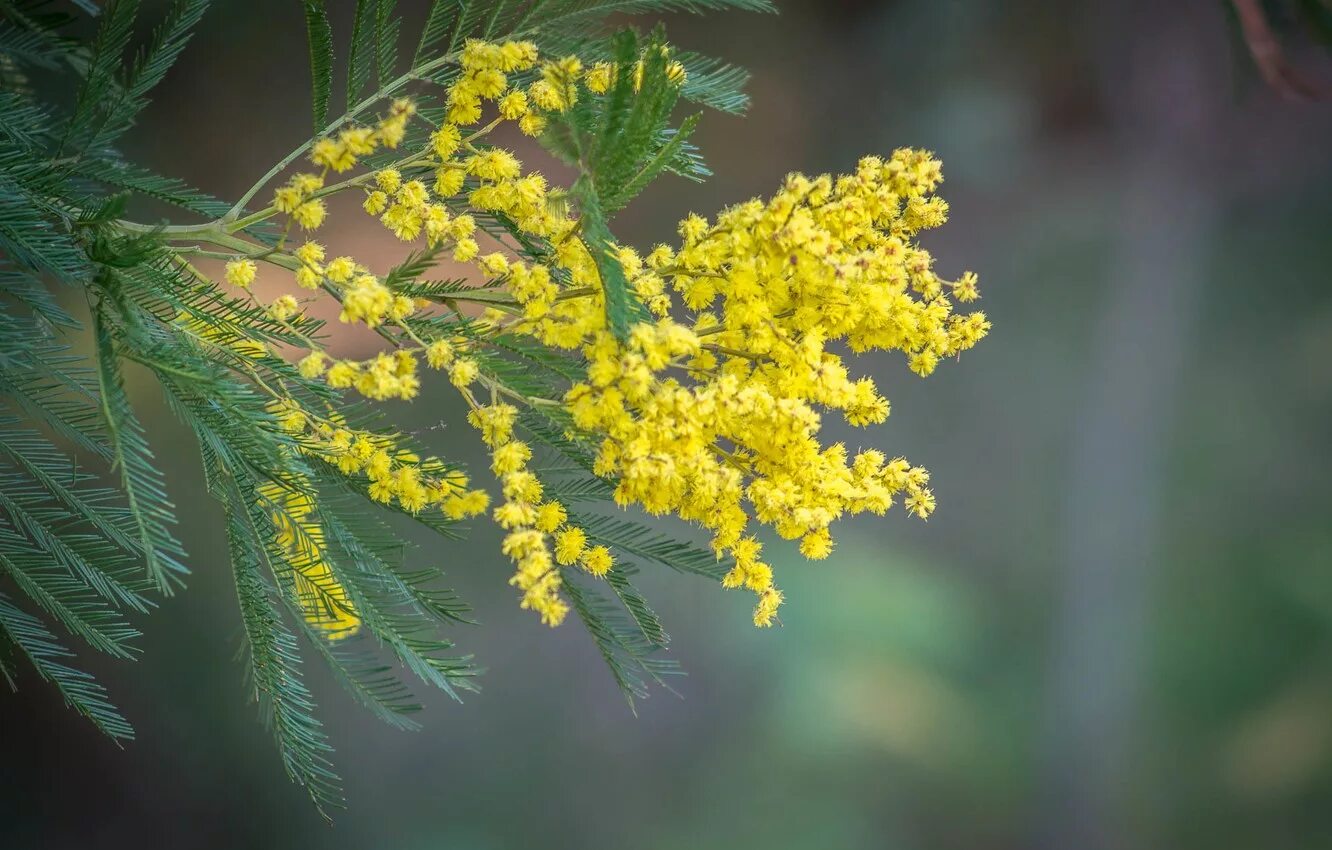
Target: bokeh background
x=1115, y=632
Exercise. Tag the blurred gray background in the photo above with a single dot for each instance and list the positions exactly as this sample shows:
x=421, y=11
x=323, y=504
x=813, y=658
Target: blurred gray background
x=1116, y=631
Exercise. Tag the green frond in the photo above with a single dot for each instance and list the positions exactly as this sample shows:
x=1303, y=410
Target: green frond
x=149, y=504
x=39, y=377
x=23, y=123
x=377, y=553
x=64, y=598
x=629, y=140
x=399, y=609
x=168, y=41
x=551, y=427
x=440, y=20
x=575, y=490
x=644, y=543
x=47, y=656
x=275, y=663
x=441, y=290
x=413, y=266
x=671, y=154
x=51, y=530
x=27, y=235
x=320, y=37
x=24, y=43
x=100, y=79
x=30, y=291
x=109, y=102
x=387, y=26
x=467, y=22
x=361, y=61
x=714, y=83
x=122, y=175
x=618, y=579
x=619, y=639
x=65, y=484
x=621, y=305
x=372, y=682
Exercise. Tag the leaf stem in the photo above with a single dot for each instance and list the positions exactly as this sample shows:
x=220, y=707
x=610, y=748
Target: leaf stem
x=371, y=100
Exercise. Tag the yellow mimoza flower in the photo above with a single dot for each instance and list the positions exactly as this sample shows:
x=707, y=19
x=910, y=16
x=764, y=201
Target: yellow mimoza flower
x=322, y=599
x=710, y=404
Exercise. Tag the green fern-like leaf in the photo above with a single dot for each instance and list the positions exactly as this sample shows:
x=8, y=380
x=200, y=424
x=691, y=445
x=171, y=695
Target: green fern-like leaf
x=387, y=26
x=275, y=662
x=633, y=660
x=362, y=55
x=149, y=503
x=47, y=655
x=645, y=543
x=320, y=37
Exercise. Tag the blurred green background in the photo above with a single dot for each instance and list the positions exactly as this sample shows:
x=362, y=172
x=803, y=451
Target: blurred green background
x=1115, y=632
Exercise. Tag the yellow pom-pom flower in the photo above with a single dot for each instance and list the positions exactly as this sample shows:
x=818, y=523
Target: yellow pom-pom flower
x=240, y=273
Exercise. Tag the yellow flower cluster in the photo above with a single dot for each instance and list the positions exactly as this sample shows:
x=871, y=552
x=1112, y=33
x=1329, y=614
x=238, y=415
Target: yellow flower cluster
x=710, y=409
x=700, y=419
x=240, y=273
x=341, y=153
x=601, y=75
x=391, y=473
x=485, y=77
x=381, y=377
x=322, y=599
x=531, y=523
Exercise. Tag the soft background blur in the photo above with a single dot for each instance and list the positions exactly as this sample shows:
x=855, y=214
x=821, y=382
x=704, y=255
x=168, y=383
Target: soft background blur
x=1116, y=631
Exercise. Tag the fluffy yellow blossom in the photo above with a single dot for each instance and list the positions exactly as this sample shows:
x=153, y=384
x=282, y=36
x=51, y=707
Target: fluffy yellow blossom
x=532, y=124
x=449, y=181
x=439, y=354
x=391, y=129
x=366, y=300
x=550, y=516
x=495, y=422
x=513, y=106
x=510, y=457
x=310, y=253
x=283, y=308
x=569, y=545
x=375, y=202
x=332, y=154
x=308, y=277
x=463, y=372
x=598, y=78
x=342, y=374
x=445, y=141
x=240, y=273
x=530, y=523
x=387, y=376
x=465, y=249
x=597, y=560
x=765, y=612
x=340, y=269
x=965, y=290
x=310, y=215
x=313, y=364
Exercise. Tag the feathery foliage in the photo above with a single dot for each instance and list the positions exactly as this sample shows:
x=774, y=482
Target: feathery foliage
x=320, y=36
